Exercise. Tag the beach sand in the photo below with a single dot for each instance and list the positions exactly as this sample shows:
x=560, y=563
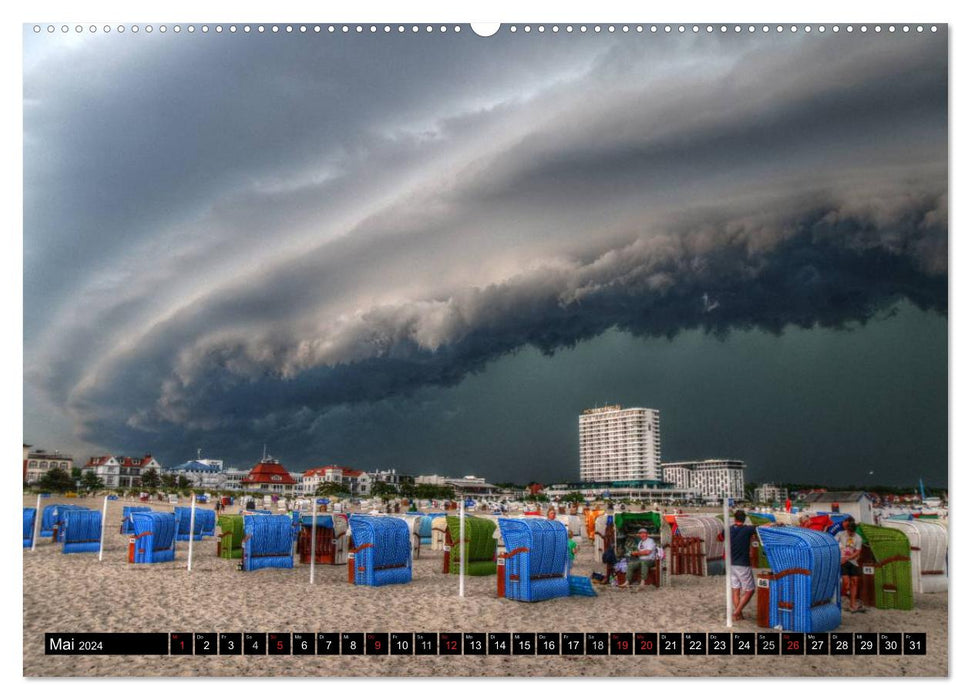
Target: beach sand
x=77, y=593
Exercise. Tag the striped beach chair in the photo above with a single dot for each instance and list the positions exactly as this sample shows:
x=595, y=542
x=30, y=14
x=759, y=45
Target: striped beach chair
x=479, y=547
x=804, y=583
x=928, y=553
x=381, y=549
x=229, y=545
x=891, y=568
x=537, y=559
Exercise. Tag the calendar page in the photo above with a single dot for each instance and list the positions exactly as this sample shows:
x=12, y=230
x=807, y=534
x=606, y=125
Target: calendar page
x=540, y=349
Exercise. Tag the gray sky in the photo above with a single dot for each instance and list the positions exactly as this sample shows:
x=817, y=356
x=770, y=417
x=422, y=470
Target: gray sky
x=432, y=252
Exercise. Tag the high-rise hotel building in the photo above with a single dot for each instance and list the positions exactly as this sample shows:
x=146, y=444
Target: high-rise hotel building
x=620, y=444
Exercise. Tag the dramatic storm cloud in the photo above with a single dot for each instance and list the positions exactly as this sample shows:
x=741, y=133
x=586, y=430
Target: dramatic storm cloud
x=317, y=241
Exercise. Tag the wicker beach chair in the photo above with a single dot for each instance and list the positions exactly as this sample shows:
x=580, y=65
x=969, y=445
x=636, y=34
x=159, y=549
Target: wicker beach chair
x=154, y=535
x=267, y=542
x=891, y=567
x=804, y=583
x=30, y=517
x=81, y=531
x=928, y=553
x=382, y=550
x=707, y=529
x=537, y=560
x=479, y=548
x=52, y=521
x=331, y=547
x=205, y=523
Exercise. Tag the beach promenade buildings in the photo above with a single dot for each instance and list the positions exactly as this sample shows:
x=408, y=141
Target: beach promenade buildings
x=710, y=478
x=770, y=493
x=353, y=481
x=202, y=473
x=269, y=476
x=620, y=444
x=466, y=486
x=38, y=462
x=121, y=472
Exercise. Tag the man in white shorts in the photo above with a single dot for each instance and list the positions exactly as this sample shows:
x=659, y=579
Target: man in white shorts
x=743, y=583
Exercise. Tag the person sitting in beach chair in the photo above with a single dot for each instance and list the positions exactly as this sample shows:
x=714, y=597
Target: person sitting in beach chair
x=642, y=558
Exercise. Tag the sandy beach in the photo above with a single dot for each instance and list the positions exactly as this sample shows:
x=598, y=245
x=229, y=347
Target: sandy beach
x=77, y=593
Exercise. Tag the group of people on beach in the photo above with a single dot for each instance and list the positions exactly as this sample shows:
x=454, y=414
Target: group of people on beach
x=640, y=562
x=743, y=582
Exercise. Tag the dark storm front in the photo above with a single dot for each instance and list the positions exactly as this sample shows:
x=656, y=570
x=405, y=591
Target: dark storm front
x=482, y=644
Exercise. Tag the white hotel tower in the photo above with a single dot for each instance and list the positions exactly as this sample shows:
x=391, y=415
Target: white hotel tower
x=620, y=444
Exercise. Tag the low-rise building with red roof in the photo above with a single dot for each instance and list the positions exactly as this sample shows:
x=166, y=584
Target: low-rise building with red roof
x=269, y=476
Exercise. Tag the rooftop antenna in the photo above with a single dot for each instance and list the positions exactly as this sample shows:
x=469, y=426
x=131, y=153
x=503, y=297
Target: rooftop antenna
x=264, y=453
x=198, y=453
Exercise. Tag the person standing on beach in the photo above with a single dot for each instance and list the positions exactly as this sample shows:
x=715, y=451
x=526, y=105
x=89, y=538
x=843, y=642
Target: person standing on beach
x=850, y=544
x=743, y=583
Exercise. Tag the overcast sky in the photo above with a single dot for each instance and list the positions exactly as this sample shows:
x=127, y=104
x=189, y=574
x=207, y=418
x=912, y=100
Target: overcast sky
x=432, y=252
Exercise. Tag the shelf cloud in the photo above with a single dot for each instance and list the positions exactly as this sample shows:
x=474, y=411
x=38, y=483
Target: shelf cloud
x=226, y=237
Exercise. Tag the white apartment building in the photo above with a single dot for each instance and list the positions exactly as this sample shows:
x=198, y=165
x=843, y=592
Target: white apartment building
x=712, y=478
x=233, y=479
x=354, y=481
x=620, y=444
x=39, y=462
x=202, y=473
x=431, y=479
x=770, y=493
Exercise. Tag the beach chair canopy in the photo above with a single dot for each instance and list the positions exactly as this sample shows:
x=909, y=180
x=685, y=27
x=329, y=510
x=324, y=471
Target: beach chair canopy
x=126, y=521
